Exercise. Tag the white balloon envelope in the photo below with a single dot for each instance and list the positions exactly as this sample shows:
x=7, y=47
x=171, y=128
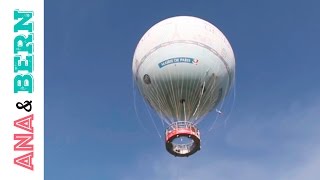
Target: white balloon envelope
x=183, y=66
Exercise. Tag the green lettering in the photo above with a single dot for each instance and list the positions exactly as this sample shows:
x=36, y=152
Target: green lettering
x=23, y=83
x=23, y=64
x=23, y=43
x=22, y=24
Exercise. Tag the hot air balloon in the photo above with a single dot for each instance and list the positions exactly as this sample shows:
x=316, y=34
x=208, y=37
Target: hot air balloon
x=183, y=67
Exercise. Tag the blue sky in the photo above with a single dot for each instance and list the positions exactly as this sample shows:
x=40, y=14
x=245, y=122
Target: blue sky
x=91, y=128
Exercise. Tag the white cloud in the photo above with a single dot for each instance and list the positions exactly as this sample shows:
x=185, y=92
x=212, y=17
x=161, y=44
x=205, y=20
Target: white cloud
x=284, y=146
x=308, y=169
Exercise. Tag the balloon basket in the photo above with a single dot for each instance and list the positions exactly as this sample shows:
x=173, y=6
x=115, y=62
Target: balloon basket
x=182, y=139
